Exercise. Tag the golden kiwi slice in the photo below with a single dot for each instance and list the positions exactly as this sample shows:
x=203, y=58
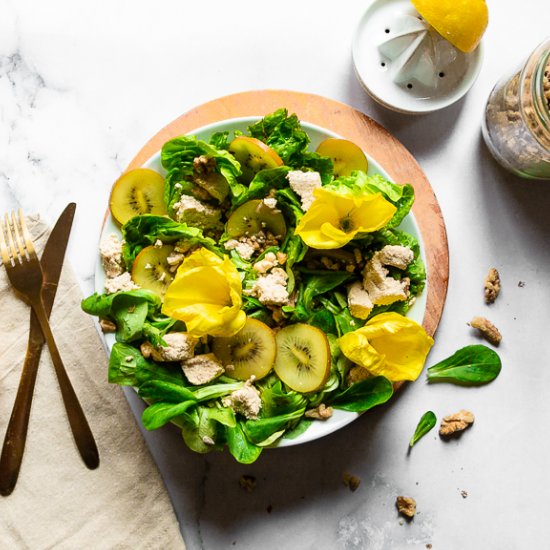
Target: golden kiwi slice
x=254, y=216
x=139, y=191
x=253, y=155
x=151, y=270
x=345, y=155
x=250, y=352
x=303, y=357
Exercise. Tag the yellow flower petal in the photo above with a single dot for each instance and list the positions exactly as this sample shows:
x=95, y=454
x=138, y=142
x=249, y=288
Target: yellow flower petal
x=335, y=218
x=206, y=294
x=390, y=345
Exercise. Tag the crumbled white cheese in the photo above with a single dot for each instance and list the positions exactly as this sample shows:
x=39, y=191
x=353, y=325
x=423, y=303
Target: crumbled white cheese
x=244, y=249
x=264, y=265
x=382, y=288
x=359, y=302
x=158, y=243
x=120, y=283
x=174, y=258
x=303, y=184
x=245, y=401
x=180, y=346
x=110, y=250
x=396, y=256
x=270, y=202
x=271, y=289
x=194, y=212
x=202, y=369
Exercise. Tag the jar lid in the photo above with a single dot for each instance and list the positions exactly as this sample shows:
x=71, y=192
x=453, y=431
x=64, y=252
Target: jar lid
x=405, y=65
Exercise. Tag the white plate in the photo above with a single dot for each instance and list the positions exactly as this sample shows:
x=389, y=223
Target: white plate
x=317, y=134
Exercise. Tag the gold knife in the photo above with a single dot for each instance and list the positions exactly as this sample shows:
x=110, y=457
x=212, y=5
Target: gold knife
x=14, y=442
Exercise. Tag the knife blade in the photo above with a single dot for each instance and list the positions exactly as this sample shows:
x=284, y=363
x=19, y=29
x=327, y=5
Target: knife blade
x=16, y=434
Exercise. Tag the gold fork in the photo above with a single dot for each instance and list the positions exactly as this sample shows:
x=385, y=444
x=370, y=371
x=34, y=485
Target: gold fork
x=25, y=274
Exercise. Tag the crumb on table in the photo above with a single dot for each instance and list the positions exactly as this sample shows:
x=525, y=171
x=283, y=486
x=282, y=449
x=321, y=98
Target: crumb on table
x=406, y=506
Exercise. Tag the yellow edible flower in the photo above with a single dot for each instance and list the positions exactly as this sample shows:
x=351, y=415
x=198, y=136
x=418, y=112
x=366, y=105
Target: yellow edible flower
x=206, y=294
x=389, y=345
x=334, y=218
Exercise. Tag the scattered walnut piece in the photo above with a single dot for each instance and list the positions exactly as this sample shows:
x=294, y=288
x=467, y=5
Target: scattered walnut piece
x=492, y=285
x=456, y=422
x=489, y=331
x=248, y=483
x=351, y=481
x=107, y=325
x=406, y=506
x=322, y=412
x=464, y=494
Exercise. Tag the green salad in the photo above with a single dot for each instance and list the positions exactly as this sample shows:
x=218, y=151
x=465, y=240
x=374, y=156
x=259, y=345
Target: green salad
x=256, y=286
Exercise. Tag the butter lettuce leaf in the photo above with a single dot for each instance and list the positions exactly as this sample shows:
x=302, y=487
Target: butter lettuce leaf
x=177, y=156
x=285, y=135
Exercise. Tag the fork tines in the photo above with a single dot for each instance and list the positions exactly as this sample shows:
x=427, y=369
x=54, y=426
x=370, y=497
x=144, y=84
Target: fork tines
x=15, y=241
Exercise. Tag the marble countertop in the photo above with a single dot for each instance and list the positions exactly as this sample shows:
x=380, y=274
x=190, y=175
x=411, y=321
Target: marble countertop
x=83, y=85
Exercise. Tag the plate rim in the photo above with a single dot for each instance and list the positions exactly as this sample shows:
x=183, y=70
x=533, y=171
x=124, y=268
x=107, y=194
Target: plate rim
x=339, y=118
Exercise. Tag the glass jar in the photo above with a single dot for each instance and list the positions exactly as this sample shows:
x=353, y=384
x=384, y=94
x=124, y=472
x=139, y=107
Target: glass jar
x=516, y=126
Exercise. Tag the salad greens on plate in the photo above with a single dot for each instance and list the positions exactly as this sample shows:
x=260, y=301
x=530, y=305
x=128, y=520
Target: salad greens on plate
x=257, y=286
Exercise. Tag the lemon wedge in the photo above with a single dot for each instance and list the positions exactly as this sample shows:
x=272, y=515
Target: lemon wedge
x=461, y=22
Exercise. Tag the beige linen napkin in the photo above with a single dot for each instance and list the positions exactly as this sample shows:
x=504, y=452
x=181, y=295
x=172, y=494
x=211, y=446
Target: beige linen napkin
x=58, y=502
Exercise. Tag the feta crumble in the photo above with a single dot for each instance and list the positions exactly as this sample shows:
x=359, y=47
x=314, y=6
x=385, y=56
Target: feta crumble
x=194, y=212
x=269, y=261
x=120, y=283
x=110, y=250
x=271, y=289
x=180, y=346
x=244, y=249
x=245, y=401
x=303, y=184
x=202, y=369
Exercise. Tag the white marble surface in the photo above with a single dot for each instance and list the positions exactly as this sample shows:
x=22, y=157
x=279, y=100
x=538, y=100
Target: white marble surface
x=84, y=84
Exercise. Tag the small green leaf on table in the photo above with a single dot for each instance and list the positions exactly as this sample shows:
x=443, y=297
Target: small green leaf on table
x=470, y=366
x=425, y=424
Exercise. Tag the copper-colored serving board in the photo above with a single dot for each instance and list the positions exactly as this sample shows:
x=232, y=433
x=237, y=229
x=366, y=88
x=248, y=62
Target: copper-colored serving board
x=355, y=126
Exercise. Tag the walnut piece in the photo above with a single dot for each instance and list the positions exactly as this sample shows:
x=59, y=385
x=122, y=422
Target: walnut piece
x=107, y=325
x=487, y=329
x=492, y=285
x=406, y=506
x=351, y=481
x=456, y=422
x=322, y=412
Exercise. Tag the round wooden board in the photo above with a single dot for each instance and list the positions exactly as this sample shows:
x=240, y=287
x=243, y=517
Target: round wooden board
x=355, y=126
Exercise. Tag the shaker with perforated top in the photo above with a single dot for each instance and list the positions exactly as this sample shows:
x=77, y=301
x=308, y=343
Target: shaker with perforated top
x=417, y=58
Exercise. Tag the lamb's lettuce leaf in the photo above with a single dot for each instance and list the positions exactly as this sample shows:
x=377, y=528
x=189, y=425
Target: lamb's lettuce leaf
x=364, y=395
x=128, y=309
x=128, y=367
x=240, y=447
